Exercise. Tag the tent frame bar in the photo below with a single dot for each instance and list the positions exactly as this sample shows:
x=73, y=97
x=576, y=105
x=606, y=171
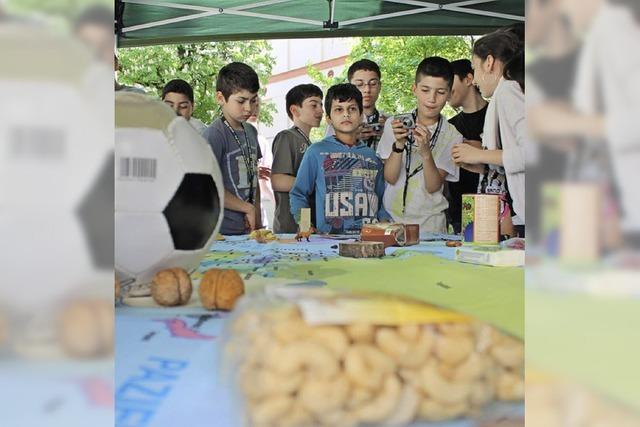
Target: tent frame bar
x=212, y=11
x=422, y=7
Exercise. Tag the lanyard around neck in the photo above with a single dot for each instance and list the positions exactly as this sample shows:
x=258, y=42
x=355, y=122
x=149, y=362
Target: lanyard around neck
x=247, y=157
x=407, y=167
x=306, y=138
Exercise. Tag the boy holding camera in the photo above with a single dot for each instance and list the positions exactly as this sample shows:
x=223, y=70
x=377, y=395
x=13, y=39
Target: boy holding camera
x=415, y=148
x=366, y=76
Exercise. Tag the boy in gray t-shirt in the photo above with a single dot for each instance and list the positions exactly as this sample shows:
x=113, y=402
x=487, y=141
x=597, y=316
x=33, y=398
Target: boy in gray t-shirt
x=235, y=146
x=304, y=107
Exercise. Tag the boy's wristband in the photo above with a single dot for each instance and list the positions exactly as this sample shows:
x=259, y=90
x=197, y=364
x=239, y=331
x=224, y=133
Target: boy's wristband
x=395, y=148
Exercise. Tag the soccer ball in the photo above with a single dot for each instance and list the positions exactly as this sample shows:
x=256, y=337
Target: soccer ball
x=56, y=161
x=168, y=190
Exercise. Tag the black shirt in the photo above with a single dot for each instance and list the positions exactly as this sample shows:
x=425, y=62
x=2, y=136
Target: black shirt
x=470, y=125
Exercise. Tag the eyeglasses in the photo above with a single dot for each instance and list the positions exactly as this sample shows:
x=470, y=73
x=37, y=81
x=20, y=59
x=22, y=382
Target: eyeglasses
x=374, y=83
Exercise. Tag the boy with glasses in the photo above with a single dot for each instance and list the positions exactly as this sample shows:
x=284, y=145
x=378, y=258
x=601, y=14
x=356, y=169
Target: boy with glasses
x=366, y=76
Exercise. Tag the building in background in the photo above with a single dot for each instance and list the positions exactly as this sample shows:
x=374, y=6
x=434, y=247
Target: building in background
x=292, y=58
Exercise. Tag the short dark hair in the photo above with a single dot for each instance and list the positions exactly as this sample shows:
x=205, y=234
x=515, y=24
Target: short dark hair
x=363, y=64
x=342, y=92
x=97, y=15
x=235, y=77
x=435, y=66
x=462, y=68
x=178, y=86
x=299, y=93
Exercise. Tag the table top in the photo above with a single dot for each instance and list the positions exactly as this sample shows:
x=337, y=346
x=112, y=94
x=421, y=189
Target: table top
x=167, y=359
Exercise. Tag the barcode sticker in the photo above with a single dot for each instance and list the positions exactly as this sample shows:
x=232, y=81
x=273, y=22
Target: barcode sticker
x=138, y=168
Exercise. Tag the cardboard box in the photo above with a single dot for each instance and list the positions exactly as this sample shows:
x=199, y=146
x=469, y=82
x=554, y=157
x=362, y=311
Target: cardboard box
x=391, y=234
x=481, y=218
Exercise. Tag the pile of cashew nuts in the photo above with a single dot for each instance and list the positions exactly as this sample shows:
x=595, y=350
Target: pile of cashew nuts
x=295, y=375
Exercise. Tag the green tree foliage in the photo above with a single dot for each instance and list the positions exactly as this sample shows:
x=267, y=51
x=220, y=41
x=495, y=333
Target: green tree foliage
x=152, y=67
x=398, y=58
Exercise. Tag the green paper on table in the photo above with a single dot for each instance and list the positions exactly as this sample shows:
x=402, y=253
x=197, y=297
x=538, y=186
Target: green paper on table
x=492, y=294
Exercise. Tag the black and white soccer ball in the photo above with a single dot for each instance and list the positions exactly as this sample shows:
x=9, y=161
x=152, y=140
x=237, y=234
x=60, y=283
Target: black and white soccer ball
x=168, y=190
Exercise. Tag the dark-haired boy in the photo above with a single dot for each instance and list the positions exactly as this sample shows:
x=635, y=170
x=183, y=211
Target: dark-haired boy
x=417, y=161
x=367, y=77
x=178, y=94
x=235, y=146
x=304, y=107
x=469, y=122
x=344, y=173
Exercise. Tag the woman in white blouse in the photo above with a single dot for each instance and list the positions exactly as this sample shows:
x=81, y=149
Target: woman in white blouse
x=498, y=63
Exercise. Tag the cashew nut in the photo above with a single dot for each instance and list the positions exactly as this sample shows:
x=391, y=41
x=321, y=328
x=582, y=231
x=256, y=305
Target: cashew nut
x=509, y=352
x=333, y=338
x=381, y=407
x=338, y=419
x=287, y=331
x=358, y=396
x=389, y=341
x=321, y=396
x=509, y=385
x=409, y=332
x=361, y=332
x=296, y=417
x=262, y=383
x=271, y=409
x=407, y=407
x=455, y=329
x=453, y=349
x=471, y=369
x=481, y=393
x=439, y=388
x=420, y=350
x=432, y=410
x=308, y=355
x=366, y=366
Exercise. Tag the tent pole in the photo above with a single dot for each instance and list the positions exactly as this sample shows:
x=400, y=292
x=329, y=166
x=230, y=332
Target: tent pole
x=330, y=23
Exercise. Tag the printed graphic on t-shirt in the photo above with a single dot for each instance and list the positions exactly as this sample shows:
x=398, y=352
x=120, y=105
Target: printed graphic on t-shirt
x=350, y=199
x=237, y=165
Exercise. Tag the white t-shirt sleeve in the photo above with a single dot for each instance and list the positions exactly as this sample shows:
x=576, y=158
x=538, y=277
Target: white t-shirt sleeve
x=443, y=159
x=386, y=141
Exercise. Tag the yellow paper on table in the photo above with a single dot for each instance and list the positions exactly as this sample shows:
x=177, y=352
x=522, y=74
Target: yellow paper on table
x=326, y=307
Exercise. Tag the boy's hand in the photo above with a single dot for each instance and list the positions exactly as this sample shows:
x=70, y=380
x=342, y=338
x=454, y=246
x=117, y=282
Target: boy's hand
x=366, y=132
x=465, y=153
x=421, y=136
x=264, y=172
x=400, y=133
x=250, y=218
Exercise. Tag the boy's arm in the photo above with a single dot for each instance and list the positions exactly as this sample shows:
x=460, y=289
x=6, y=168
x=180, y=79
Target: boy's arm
x=234, y=203
x=432, y=175
x=258, y=210
x=303, y=186
x=282, y=182
x=382, y=214
x=392, y=160
x=282, y=173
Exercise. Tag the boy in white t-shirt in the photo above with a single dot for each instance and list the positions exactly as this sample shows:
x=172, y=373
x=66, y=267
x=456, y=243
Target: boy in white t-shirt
x=422, y=153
